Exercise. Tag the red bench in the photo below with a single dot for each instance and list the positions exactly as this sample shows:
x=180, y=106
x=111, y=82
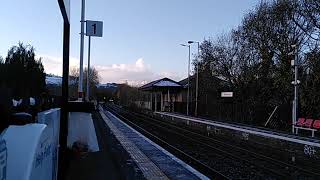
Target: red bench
x=307, y=124
x=316, y=124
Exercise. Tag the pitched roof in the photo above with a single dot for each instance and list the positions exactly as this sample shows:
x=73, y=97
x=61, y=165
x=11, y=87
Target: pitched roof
x=164, y=82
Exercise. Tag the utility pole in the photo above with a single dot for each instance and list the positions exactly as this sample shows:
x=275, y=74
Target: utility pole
x=80, y=88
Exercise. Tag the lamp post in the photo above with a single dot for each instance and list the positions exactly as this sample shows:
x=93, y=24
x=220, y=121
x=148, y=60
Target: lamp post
x=188, y=77
x=197, y=79
x=294, y=64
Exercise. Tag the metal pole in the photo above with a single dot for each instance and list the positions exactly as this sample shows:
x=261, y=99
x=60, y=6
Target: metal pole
x=64, y=110
x=293, y=116
x=155, y=99
x=80, y=88
x=295, y=100
x=88, y=70
x=151, y=101
x=295, y=90
x=188, y=82
x=169, y=101
x=197, y=83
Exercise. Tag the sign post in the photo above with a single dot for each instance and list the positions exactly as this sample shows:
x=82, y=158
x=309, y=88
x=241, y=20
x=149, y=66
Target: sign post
x=93, y=28
x=65, y=11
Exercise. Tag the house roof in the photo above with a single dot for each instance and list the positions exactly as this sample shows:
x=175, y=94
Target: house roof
x=184, y=82
x=57, y=80
x=160, y=83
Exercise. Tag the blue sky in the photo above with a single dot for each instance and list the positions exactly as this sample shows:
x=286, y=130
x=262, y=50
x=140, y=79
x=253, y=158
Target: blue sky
x=141, y=37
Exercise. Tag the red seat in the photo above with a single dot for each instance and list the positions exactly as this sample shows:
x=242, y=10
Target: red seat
x=308, y=123
x=316, y=124
x=300, y=122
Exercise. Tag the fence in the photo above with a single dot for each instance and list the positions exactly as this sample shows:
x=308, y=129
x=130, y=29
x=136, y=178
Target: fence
x=249, y=114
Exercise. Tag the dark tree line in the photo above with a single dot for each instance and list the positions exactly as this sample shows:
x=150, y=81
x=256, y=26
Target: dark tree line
x=253, y=58
x=21, y=76
x=21, y=73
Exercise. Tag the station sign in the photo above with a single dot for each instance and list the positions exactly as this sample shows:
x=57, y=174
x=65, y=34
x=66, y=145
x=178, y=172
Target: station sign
x=226, y=94
x=94, y=28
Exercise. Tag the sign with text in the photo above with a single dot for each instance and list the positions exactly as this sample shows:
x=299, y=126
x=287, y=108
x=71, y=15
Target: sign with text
x=226, y=94
x=94, y=28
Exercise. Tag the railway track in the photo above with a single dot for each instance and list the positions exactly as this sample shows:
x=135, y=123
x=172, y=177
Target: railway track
x=233, y=161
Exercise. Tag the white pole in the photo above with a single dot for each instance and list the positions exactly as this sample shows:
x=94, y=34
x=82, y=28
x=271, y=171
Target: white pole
x=151, y=101
x=295, y=83
x=80, y=88
x=295, y=91
x=188, y=82
x=197, y=83
x=88, y=70
x=161, y=99
x=169, y=102
x=156, y=107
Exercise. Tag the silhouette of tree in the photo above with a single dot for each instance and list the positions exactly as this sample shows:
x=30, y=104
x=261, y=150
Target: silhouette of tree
x=253, y=58
x=24, y=74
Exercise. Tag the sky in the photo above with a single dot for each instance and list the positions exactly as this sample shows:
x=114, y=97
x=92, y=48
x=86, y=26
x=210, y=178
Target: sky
x=141, y=38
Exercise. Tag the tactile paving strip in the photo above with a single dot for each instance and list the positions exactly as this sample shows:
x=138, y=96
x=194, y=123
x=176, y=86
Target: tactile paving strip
x=147, y=167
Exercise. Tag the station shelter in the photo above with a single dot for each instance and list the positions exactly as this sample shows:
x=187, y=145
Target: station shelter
x=164, y=93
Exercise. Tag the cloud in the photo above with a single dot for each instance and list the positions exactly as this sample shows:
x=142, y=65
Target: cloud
x=137, y=73
x=53, y=65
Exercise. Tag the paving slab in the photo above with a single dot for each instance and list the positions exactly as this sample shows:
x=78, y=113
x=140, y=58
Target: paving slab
x=154, y=161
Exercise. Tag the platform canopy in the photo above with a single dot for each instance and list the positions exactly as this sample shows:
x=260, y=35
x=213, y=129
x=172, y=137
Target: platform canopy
x=161, y=84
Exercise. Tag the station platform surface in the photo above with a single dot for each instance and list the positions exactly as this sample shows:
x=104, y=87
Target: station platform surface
x=153, y=161
x=247, y=129
x=99, y=165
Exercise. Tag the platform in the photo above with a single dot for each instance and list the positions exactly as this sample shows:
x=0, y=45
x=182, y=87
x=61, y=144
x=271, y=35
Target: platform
x=99, y=164
x=245, y=129
x=153, y=161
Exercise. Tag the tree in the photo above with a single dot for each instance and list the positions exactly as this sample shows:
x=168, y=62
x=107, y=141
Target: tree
x=309, y=10
x=24, y=74
x=2, y=72
x=94, y=80
x=253, y=58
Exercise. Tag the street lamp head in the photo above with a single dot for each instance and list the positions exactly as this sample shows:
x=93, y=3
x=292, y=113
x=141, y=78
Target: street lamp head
x=183, y=45
x=191, y=42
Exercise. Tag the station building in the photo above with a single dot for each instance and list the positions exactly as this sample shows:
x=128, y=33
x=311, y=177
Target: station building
x=167, y=95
